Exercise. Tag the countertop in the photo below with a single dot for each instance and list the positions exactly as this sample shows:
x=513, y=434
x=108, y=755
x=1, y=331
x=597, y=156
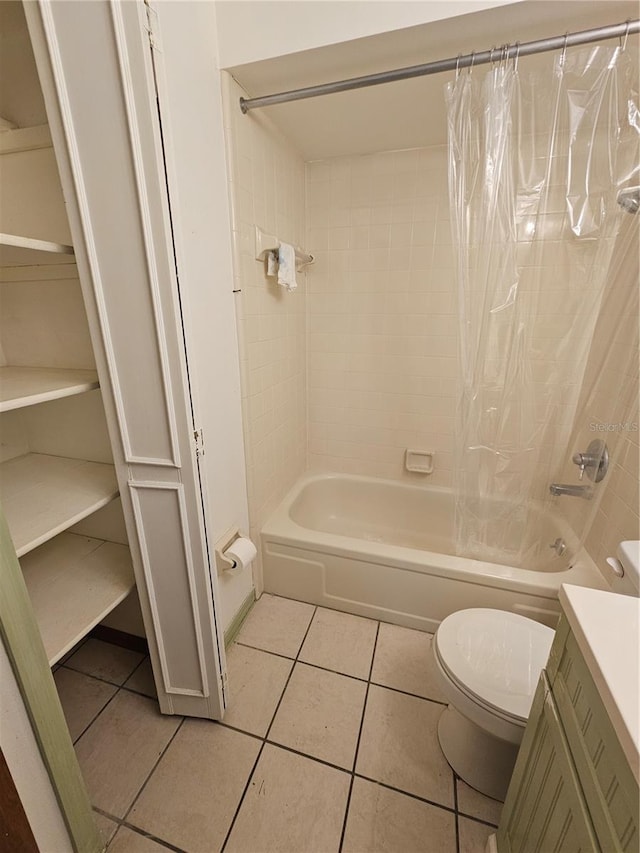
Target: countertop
x=607, y=629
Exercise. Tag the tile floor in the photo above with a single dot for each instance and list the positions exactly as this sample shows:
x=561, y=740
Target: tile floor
x=329, y=744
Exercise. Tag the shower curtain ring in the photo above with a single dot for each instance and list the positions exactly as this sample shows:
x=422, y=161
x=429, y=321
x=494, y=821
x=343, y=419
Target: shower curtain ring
x=473, y=59
x=491, y=54
x=516, y=57
x=623, y=44
x=458, y=67
x=564, y=49
x=505, y=54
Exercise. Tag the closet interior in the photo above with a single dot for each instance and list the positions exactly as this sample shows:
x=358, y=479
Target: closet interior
x=58, y=487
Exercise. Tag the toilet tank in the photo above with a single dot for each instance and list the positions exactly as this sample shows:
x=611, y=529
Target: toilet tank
x=628, y=583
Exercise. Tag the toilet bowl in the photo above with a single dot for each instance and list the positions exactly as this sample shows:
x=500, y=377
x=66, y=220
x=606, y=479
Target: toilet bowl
x=489, y=663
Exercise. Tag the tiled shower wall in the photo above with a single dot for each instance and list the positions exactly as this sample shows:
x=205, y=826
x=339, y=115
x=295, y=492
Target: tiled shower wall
x=612, y=416
x=378, y=357
x=267, y=190
x=381, y=323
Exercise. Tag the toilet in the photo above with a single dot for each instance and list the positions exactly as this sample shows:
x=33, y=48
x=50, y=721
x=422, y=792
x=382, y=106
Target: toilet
x=489, y=663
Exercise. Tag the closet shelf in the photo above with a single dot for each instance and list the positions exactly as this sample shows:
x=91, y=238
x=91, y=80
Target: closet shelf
x=18, y=251
x=44, y=495
x=26, y=386
x=73, y=582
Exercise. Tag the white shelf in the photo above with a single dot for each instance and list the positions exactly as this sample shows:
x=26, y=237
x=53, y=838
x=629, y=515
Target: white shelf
x=44, y=495
x=73, y=582
x=18, y=251
x=26, y=386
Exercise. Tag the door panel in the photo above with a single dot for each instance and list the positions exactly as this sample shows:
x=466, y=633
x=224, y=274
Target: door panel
x=95, y=67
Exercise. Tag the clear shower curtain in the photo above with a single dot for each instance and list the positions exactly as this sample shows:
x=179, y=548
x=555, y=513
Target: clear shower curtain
x=536, y=160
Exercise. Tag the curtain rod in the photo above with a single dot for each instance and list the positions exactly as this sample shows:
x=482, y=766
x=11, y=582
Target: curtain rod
x=453, y=64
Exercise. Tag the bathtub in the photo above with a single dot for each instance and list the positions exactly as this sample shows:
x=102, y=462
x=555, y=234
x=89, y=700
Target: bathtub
x=383, y=549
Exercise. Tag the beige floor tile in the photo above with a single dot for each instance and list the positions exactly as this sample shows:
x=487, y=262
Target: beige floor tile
x=341, y=642
x=276, y=625
x=383, y=821
x=128, y=841
x=82, y=698
x=473, y=836
x=120, y=749
x=106, y=827
x=293, y=804
x=472, y=802
x=193, y=794
x=403, y=660
x=256, y=682
x=320, y=715
x=141, y=680
x=104, y=660
x=399, y=745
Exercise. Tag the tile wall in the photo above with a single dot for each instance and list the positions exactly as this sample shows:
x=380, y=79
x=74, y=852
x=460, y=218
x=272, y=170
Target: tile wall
x=361, y=362
x=382, y=351
x=611, y=408
x=267, y=189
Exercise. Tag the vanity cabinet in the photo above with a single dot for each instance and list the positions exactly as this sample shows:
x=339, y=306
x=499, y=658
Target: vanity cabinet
x=573, y=788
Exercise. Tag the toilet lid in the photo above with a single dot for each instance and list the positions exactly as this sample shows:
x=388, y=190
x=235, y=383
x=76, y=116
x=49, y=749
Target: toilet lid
x=495, y=656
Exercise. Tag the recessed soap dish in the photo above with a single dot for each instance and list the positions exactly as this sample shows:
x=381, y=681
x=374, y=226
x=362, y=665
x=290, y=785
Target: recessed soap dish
x=420, y=461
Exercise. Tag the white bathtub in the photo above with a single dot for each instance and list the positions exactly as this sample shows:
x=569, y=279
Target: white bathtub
x=384, y=550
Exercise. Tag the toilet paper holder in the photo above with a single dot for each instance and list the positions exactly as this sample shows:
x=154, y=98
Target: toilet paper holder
x=223, y=563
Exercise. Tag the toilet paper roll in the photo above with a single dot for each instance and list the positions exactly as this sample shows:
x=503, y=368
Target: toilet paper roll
x=241, y=552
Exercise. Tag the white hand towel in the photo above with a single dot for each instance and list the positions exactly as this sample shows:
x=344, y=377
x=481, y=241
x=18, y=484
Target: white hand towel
x=287, y=266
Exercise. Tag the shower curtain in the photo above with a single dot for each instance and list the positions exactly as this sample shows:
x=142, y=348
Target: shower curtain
x=536, y=161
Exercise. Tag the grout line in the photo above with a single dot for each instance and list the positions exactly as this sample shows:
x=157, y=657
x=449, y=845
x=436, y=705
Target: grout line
x=97, y=677
x=106, y=704
x=455, y=802
x=345, y=674
x=264, y=740
x=355, y=755
x=417, y=797
x=265, y=651
x=153, y=769
x=407, y=693
x=148, y=835
x=478, y=820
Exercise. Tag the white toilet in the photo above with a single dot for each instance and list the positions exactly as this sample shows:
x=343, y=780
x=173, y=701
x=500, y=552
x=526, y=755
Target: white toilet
x=489, y=662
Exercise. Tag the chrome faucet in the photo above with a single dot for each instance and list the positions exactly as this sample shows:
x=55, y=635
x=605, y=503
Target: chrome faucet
x=572, y=491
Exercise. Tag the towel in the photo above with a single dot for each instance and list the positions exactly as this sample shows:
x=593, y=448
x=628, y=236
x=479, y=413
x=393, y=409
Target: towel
x=287, y=266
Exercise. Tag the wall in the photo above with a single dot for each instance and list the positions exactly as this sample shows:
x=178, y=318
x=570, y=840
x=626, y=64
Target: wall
x=267, y=189
x=382, y=322
x=190, y=98
x=382, y=327
x=278, y=28
x=30, y=776
x=609, y=409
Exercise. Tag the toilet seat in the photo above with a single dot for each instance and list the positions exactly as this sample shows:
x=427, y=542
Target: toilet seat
x=495, y=658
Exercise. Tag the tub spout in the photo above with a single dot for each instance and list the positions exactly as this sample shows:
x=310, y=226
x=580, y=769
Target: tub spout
x=573, y=491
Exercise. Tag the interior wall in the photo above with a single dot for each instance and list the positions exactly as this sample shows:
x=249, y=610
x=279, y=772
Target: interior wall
x=382, y=317
x=267, y=189
x=610, y=415
x=191, y=98
x=382, y=324
x=31, y=778
x=286, y=26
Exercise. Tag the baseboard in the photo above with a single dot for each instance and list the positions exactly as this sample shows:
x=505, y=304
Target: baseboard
x=236, y=623
x=120, y=638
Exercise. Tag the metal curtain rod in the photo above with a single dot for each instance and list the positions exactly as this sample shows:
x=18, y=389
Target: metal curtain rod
x=470, y=59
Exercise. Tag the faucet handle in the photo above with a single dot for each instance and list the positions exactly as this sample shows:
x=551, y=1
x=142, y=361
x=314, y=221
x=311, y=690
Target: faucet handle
x=579, y=460
x=595, y=460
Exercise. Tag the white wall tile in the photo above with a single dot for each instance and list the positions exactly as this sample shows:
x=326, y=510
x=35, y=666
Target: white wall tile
x=267, y=188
